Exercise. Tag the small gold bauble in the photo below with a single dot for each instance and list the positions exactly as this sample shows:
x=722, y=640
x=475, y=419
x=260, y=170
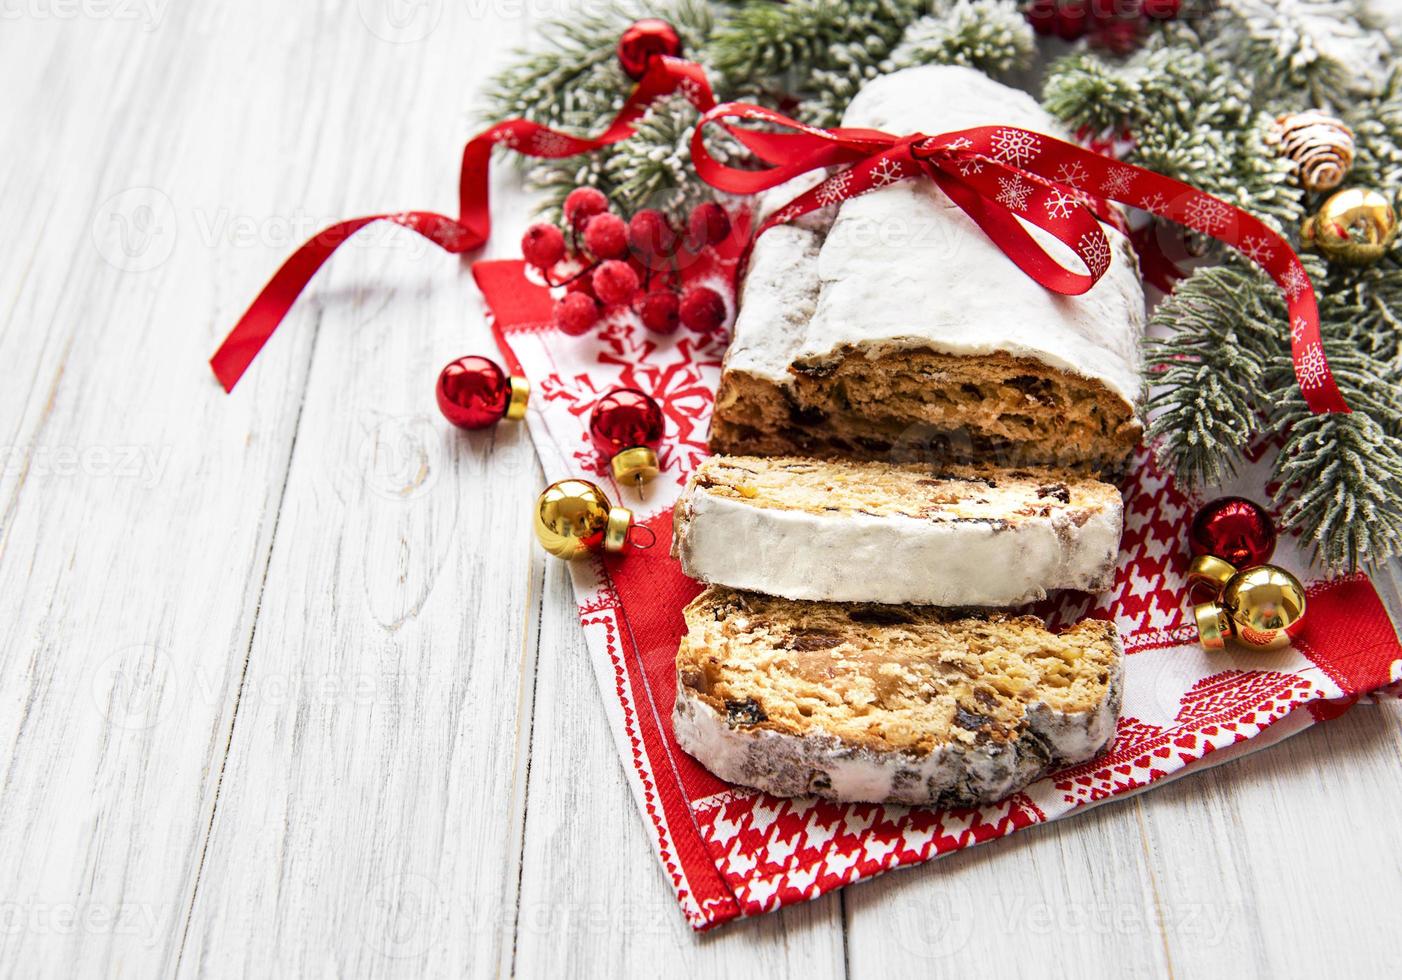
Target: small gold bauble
x=1214, y=626
x=1266, y=605
x=574, y=517
x=1352, y=227
x=637, y=466
x=520, y=395
x=1211, y=572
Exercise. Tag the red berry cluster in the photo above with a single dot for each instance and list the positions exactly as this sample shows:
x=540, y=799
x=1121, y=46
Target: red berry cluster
x=633, y=264
x=1117, y=25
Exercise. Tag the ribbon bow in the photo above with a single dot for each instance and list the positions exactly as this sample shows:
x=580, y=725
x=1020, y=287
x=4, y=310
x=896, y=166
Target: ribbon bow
x=1003, y=177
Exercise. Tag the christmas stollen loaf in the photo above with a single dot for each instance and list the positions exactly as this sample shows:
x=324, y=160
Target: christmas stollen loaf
x=851, y=531
x=875, y=703
x=900, y=331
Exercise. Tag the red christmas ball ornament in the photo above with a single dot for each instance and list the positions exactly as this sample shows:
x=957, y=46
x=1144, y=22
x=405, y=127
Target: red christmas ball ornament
x=543, y=245
x=652, y=235
x=708, y=224
x=606, y=236
x=626, y=426
x=576, y=313
x=1234, y=529
x=615, y=282
x=583, y=203
x=702, y=309
x=644, y=40
x=475, y=393
x=661, y=311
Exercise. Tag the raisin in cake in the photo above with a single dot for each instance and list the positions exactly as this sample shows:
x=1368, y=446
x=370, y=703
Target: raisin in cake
x=909, y=705
x=873, y=532
x=898, y=330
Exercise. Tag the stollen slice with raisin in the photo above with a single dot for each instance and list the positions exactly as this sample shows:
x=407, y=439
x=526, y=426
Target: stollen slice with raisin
x=889, y=704
x=854, y=531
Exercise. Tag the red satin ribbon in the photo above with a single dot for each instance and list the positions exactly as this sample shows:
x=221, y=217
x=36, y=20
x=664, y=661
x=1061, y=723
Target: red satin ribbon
x=472, y=227
x=1001, y=177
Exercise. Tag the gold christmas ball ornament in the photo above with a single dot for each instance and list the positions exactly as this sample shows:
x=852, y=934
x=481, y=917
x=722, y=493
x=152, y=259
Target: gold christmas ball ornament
x=1266, y=605
x=1214, y=625
x=1260, y=608
x=1353, y=227
x=1320, y=146
x=1210, y=572
x=575, y=517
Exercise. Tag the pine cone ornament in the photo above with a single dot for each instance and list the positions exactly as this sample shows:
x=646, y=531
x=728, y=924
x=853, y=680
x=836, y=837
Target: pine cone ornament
x=1320, y=146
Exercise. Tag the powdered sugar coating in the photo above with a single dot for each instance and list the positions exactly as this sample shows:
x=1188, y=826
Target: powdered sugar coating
x=903, y=267
x=846, y=557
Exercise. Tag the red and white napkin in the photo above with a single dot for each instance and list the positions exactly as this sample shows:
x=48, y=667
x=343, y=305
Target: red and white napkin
x=730, y=851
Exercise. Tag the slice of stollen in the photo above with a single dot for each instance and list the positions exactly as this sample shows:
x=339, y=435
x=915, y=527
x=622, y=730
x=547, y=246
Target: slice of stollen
x=849, y=531
x=904, y=704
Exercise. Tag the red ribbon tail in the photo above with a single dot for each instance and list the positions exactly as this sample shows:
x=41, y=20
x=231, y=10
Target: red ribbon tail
x=268, y=308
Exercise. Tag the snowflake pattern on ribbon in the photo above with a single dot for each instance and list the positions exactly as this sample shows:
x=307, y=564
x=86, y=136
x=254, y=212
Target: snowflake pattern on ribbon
x=1016, y=146
x=1206, y=214
x=551, y=144
x=1257, y=249
x=1093, y=248
x=1312, y=369
x=1073, y=174
x=1060, y=204
x=886, y=172
x=1118, y=182
x=1294, y=282
x=1154, y=202
x=1013, y=192
x=835, y=188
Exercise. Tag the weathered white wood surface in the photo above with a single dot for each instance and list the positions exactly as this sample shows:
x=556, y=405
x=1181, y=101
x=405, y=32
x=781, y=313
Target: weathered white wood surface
x=285, y=688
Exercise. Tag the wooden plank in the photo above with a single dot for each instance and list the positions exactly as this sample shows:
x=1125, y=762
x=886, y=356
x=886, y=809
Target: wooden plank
x=138, y=513
x=1293, y=852
x=1051, y=901
x=593, y=900
x=368, y=818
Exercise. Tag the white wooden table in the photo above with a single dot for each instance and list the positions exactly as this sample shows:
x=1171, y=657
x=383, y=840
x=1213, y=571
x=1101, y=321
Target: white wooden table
x=285, y=687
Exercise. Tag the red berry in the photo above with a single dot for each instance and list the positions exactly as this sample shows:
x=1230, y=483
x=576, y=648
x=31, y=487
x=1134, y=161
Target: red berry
x=702, y=309
x=583, y=203
x=543, y=245
x=708, y=224
x=1162, y=9
x=660, y=311
x=615, y=282
x=575, y=314
x=606, y=236
x=651, y=235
